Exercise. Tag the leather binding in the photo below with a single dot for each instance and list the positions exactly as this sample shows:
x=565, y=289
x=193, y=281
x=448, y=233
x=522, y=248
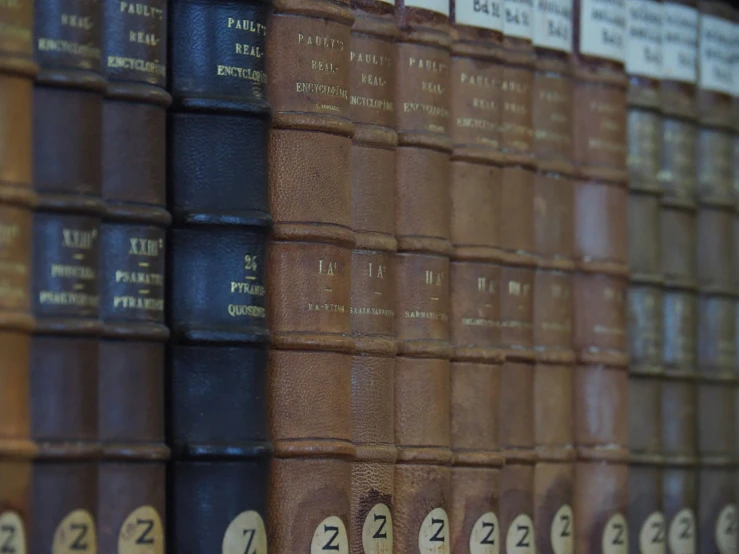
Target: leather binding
x=17, y=199
x=131, y=479
x=679, y=269
x=644, y=126
x=422, y=227
x=600, y=285
x=475, y=81
x=716, y=315
x=372, y=110
x=217, y=132
x=67, y=127
x=310, y=268
x=554, y=246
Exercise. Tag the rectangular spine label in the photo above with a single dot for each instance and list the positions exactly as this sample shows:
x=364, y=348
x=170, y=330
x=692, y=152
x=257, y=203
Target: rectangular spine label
x=440, y=6
x=644, y=44
x=716, y=53
x=680, y=42
x=553, y=24
x=603, y=29
x=487, y=14
x=519, y=19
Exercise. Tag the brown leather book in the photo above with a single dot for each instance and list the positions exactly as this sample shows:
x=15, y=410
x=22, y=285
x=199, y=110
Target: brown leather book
x=600, y=198
x=67, y=133
x=554, y=245
x=644, y=125
x=310, y=266
x=131, y=479
x=422, y=227
x=679, y=269
x=475, y=81
x=372, y=110
x=716, y=312
x=17, y=70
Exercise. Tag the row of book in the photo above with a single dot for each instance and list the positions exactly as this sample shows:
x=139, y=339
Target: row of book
x=316, y=276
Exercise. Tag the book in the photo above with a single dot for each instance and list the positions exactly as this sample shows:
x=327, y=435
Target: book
x=217, y=133
x=67, y=168
x=17, y=70
x=131, y=477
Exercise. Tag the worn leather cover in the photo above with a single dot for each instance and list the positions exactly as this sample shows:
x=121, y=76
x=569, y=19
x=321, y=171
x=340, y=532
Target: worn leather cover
x=16, y=201
x=216, y=259
x=372, y=110
x=67, y=131
x=131, y=479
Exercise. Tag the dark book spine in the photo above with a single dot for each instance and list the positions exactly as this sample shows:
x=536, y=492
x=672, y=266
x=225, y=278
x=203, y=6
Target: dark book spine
x=67, y=132
x=217, y=135
x=17, y=71
x=131, y=480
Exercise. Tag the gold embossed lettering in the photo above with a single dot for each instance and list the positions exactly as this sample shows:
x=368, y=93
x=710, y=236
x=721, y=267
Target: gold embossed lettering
x=246, y=25
x=248, y=50
x=435, y=278
x=77, y=22
x=142, y=10
x=75, y=238
x=327, y=267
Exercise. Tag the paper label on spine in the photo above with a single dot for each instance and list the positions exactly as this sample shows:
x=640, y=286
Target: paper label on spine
x=487, y=14
x=76, y=534
x=615, y=536
x=725, y=532
x=681, y=535
x=433, y=537
x=12, y=533
x=377, y=532
x=561, y=532
x=644, y=38
x=246, y=534
x=520, y=536
x=330, y=537
x=679, y=43
x=485, y=535
x=652, y=534
x=142, y=533
x=553, y=24
x=603, y=29
x=735, y=60
x=518, y=19
x=441, y=6
x=716, y=46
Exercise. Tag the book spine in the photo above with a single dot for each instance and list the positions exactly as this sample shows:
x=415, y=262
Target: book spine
x=600, y=198
x=67, y=131
x=554, y=246
x=131, y=478
x=475, y=173
x=17, y=70
x=310, y=265
x=716, y=314
x=735, y=172
x=372, y=110
x=643, y=65
x=217, y=133
x=679, y=270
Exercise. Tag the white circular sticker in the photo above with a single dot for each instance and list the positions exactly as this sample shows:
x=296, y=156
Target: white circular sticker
x=377, y=533
x=245, y=534
x=485, y=535
x=562, y=531
x=616, y=536
x=433, y=537
x=75, y=534
x=142, y=532
x=330, y=537
x=681, y=535
x=725, y=533
x=652, y=534
x=520, y=536
x=12, y=534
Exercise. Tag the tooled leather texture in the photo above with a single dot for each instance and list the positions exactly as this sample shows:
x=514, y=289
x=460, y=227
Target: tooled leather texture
x=217, y=134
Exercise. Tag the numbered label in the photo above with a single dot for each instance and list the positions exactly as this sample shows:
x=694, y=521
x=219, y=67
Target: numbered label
x=562, y=531
x=245, y=534
x=377, y=532
x=12, y=534
x=725, y=533
x=616, y=536
x=480, y=13
x=652, y=534
x=520, y=536
x=485, y=535
x=76, y=534
x=142, y=532
x=330, y=537
x=433, y=538
x=681, y=535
